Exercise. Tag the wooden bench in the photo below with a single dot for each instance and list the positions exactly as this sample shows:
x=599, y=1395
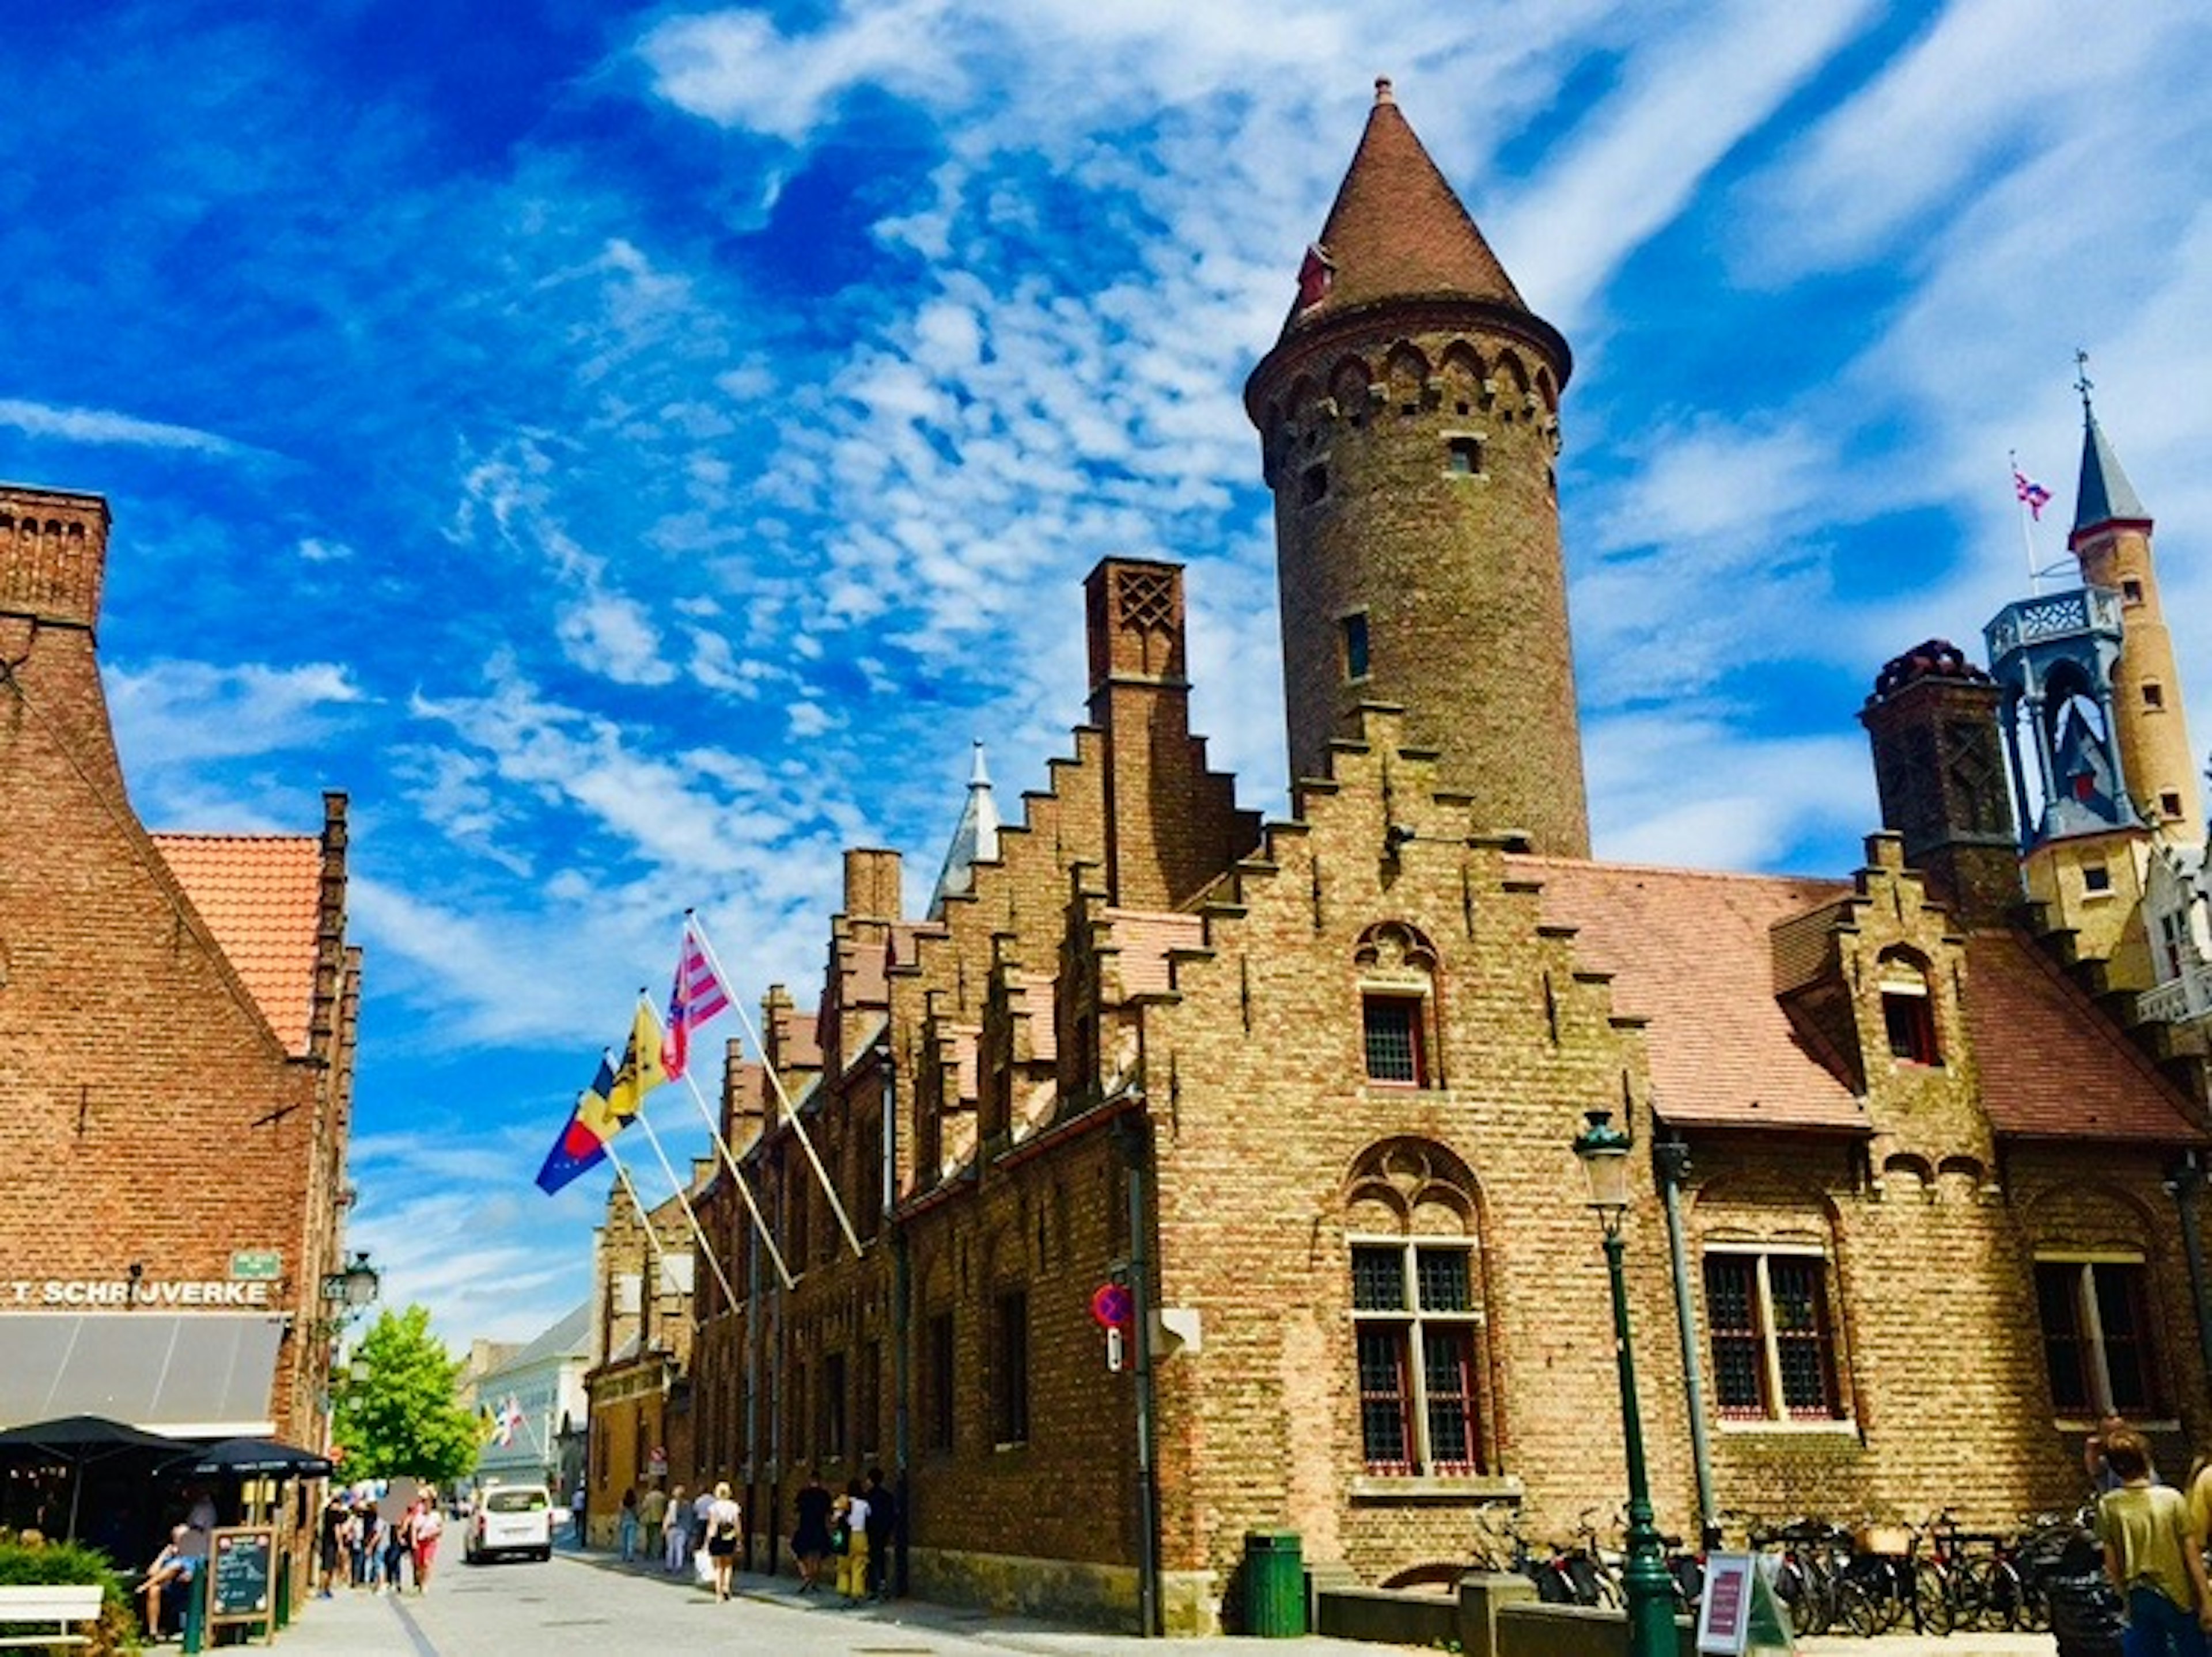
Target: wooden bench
x=63, y=1609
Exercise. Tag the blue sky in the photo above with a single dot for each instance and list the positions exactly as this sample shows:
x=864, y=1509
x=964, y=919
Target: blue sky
x=634, y=450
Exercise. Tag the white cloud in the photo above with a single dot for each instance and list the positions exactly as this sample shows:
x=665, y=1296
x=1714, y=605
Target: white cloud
x=180, y=713
x=105, y=426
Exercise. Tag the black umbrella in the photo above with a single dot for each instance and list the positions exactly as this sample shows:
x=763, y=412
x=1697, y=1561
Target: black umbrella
x=253, y=1458
x=78, y=1442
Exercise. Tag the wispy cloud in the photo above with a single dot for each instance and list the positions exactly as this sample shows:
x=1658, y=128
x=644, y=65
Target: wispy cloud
x=105, y=426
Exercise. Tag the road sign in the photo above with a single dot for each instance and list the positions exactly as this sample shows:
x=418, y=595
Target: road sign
x=1113, y=1306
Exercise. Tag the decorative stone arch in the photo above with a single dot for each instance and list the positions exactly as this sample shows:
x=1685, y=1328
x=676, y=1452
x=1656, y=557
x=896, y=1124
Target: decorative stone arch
x=1511, y=376
x=1794, y=1208
x=1547, y=390
x=1405, y=373
x=1390, y=948
x=1903, y=1174
x=1460, y=376
x=1348, y=384
x=1410, y=1186
x=1302, y=409
x=1906, y=981
x=2091, y=1216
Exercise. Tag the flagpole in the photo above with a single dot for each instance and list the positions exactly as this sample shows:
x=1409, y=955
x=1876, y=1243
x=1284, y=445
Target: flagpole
x=714, y=1127
x=791, y=1115
x=685, y=1202
x=2027, y=536
x=760, y=1220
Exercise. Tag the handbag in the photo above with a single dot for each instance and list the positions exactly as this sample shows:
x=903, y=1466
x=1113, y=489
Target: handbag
x=840, y=1537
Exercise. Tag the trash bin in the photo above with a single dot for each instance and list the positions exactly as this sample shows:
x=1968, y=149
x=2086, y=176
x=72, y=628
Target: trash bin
x=2086, y=1615
x=1274, y=1585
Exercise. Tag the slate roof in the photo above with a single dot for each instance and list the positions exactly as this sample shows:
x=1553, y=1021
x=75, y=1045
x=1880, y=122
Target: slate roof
x=1692, y=953
x=1398, y=230
x=571, y=1336
x=975, y=839
x=2105, y=496
x=2053, y=1066
x=260, y=894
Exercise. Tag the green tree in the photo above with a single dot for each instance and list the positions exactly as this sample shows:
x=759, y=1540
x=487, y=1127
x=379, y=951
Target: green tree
x=401, y=1418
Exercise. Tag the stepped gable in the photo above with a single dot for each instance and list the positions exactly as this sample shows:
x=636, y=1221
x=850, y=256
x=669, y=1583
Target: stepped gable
x=2053, y=1066
x=1398, y=230
x=1143, y=940
x=1692, y=954
x=260, y=896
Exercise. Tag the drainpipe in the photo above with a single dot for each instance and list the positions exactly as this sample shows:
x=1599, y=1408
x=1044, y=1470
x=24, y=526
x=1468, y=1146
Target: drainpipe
x=1130, y=1133
x=901, y=1330
x=2184, y=1181
x=1670, y=1159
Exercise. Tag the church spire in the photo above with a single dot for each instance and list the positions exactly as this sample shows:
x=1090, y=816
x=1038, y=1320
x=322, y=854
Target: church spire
x=2105, y=496
x=1397, y=231
x=975, y=840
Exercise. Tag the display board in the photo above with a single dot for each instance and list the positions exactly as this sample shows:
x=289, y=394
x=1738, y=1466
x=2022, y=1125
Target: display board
x=242, y=1579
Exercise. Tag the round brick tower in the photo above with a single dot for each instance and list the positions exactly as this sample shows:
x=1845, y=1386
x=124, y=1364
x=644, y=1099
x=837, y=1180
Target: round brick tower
x=1408, y=423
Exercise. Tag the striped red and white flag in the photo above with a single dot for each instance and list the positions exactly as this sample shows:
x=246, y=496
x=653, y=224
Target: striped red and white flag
x=697, y=995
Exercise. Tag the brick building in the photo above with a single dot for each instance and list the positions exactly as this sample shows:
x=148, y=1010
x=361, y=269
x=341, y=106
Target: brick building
x=177, y=1028
x=1305, y=1090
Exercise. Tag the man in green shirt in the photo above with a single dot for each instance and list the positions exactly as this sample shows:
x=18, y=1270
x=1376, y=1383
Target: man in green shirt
x=2150, y=1557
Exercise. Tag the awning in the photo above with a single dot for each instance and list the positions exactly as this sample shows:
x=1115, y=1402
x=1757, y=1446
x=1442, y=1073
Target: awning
x=195, y=1374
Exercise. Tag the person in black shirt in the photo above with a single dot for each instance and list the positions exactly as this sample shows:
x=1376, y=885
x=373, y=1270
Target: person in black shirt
x=882, y=1525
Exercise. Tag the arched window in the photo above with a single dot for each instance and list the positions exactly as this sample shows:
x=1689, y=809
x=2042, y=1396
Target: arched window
x=1416, y=1311
x=1396, y=967
x=1908, y=1008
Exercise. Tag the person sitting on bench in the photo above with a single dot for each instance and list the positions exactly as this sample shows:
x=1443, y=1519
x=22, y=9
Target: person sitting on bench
x=169, y=1576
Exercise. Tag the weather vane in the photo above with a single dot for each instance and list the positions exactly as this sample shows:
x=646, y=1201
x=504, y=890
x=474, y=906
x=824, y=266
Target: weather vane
x=2083, y=382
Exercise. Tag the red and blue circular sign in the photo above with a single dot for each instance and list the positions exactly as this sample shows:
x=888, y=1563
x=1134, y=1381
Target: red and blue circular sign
x=1113, y=1306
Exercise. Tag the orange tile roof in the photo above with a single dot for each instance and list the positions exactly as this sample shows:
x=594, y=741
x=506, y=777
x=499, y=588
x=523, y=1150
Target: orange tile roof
x=1398, y=230
x=260, y=894
x=2052, y=1065
x=1692, y=953
x=1144, y=940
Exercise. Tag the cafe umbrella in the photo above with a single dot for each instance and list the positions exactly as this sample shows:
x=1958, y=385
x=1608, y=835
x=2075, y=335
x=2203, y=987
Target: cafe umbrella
x=251, y=1457
x=79, y=1441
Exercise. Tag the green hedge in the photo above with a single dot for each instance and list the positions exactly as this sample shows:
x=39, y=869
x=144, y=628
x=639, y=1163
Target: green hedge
x=72, y=1562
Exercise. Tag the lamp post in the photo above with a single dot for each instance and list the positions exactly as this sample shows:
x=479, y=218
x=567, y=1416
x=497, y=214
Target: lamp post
x=1603, y=1151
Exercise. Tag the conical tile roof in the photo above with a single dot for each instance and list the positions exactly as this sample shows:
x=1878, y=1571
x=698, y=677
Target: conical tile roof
x=1398, y=231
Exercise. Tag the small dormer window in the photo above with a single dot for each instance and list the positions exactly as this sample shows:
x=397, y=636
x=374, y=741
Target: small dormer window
x=1908, y=1011
x=2096, y=879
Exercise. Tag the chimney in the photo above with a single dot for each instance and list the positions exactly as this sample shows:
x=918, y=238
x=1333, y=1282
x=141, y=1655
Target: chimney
x=872, y=884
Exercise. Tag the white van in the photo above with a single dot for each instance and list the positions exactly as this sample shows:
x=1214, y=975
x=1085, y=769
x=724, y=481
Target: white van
x=509, y=1519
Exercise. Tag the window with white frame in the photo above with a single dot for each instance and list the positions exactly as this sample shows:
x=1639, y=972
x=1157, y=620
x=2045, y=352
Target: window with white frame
x=1415, y=1324
x=1773, y=1339
x=2097, y=1346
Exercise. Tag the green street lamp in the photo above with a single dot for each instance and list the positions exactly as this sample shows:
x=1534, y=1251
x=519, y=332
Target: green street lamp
x=1603, y=1151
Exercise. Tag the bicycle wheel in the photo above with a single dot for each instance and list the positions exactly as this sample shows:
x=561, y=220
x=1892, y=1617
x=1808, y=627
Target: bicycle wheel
x=1997, y=1586
x=1963, y=1587
x=1855, y=1609
x=1931, y=1600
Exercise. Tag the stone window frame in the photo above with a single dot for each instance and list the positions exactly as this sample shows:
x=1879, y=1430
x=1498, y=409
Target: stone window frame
x=1415, y=1325
x=1396, y=965
x=1910, y=1025
x=2152, y=1408
x=1773, y=1411
x=1355, y=646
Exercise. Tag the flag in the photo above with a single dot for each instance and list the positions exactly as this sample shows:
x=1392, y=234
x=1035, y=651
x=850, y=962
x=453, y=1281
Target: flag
x=2032, y=494
x=583, y=1142
x=487, y=1424
x=697, y=995
x=640, y=1071
x=510, y=1420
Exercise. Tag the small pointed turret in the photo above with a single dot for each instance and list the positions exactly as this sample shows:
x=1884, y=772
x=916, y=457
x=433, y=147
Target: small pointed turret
x=2105, y=496
x=2111, y=539
x=975, y=840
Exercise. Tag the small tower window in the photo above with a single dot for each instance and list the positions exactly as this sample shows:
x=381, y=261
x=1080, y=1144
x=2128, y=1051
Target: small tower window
x=1908, y=1011
x=2153, y=695
x=1354, y=627
x=2130, y=590
x=2170, y=802
x=1313, y=484
x=2096, y=877
x=1463, y=457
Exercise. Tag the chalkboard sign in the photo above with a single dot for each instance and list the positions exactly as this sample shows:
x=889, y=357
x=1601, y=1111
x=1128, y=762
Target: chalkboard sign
x=242, y=1578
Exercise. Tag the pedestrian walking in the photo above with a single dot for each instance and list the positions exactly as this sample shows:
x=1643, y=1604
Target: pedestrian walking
x=2150, y=1556
x=577, y=1514
x=330, y=1532
x=398, y=1546
x=810, y=1537
x=676, y=1531
x=652, y=1515
x=430, y=1525
x=626, y=1526
x=848, y=1540
x=723, y=1519
x=882, y=1527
